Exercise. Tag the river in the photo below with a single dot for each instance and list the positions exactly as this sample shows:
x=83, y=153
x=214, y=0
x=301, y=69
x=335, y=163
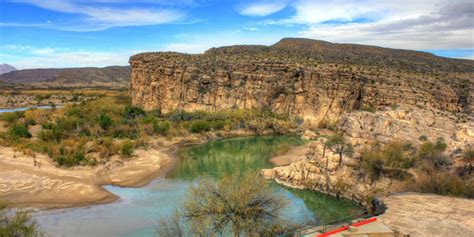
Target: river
x=139, y=210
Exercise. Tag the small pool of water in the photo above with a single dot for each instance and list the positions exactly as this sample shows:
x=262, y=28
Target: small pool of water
x=139, y=210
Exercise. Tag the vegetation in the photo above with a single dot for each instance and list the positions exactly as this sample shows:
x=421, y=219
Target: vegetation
x=393, y=159
x=19, y=131
x=235, y=205
x=434, y=173
x=338, y=145
x=93, y=131
x=17, y=223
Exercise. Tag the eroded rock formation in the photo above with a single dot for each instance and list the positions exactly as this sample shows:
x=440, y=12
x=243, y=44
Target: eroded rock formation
x=316, y=83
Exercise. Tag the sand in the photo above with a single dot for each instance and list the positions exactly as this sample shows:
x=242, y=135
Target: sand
x=22, y=183
x=294, y=154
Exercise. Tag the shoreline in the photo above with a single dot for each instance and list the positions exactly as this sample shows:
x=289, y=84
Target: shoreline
x=50, y=187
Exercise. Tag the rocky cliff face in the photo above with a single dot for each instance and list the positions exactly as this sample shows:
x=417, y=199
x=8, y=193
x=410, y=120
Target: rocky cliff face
x=298, y=81
x=324, y=171
x=408, y=94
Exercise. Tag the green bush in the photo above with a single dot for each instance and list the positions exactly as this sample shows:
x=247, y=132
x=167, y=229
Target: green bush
x=372, y=164
x=200, y=126
x=19, y=131
x=104, y=121
x=73, y=159
x=161, y=127
x=431, y=155
x=127, y=148
x=133, y=112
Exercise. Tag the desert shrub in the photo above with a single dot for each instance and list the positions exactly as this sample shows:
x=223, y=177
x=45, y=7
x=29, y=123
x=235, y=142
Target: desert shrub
x=161, y=127
x=104, y=121
x=395, y=155
x=180, y=116
x=127, y=148
x=431, y=155
x=235, y=205
x=12, y=117
x=442, y=183
x=106, y=147
x=19, y=131
x=372, y=164
x=328, y=124
x=40, y=116
x=124, y=131
x=221, y=124
x=423, y=138
x=70, y=157
x=133, y=112
x=368, y=108
x=17, y=223
x=392, y=160
x=200, y=126
x=469, y=154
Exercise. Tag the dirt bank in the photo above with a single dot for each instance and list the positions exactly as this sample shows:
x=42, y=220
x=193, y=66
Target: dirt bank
x=38, y=182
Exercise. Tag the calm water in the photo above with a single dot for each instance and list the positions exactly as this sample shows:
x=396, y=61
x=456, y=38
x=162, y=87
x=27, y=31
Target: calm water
x=139, y=210
x=27, y=108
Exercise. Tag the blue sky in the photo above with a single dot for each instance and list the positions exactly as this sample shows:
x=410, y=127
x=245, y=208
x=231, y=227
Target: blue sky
x=78, y=33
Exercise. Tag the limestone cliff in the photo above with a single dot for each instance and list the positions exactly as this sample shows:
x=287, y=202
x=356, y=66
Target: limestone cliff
x=311, y=79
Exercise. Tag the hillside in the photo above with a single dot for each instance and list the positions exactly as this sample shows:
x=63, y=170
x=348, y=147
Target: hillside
x=5, y=68
x=303, y=77
x=115, y=77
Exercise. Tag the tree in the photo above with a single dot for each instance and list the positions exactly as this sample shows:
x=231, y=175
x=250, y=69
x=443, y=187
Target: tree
x=338, y=145
x=235, y=204
x=17, y=224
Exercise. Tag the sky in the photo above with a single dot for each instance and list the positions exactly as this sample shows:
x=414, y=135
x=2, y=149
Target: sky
x=83, y=33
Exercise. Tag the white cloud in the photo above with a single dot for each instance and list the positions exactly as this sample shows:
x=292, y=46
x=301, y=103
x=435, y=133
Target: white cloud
x=410, y=24
x=250, y=28
x=104, y=14
x=261, y=9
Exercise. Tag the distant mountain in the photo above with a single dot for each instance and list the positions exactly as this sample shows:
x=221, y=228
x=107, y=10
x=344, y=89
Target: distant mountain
x=5, y=68
x=114, y=77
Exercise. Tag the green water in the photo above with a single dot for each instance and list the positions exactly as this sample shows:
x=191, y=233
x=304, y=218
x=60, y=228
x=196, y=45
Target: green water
x=240, y=155
x=139, y=210
x=229, y=156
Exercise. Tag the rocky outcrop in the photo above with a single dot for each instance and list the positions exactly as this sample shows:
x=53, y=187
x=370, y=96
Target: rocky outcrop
x=408, y=123
x=323, y=170
x=290, y=81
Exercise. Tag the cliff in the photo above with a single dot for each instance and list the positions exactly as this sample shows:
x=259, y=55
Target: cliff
x=315, y=80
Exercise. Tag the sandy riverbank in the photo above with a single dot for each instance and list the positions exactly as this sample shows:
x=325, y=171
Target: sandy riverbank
x=24, y=184
x=47, y=186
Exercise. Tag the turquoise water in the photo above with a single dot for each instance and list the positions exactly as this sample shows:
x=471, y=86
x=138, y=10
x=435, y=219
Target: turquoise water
x=25, y=108
x=139, y=210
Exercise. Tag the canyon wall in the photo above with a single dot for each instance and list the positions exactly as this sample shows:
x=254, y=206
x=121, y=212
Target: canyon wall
x=286, y=82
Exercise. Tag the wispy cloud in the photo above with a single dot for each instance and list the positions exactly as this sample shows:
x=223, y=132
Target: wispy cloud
x=410, y=24
x=26, y=56
x=103, y=14
x=261, y=9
